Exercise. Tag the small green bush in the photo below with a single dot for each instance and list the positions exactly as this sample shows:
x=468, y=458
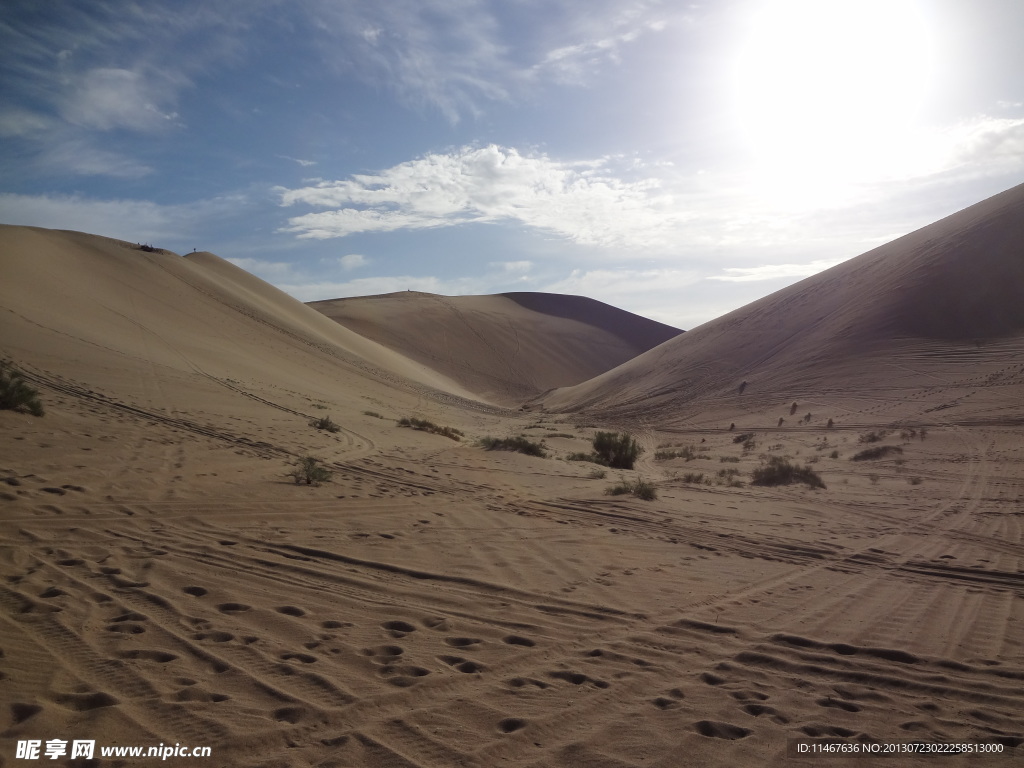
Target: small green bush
x=518, y=444
x=779, y=471
x=871, y=454
x=423, y=425
x=640, y=488
x=15, y=393
x=617, y=450
x=325, y=423
x=310, y=470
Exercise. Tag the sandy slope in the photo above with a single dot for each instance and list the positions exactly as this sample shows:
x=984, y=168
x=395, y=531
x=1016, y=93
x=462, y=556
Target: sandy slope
x=505, y=348
x=438, y=605
x=926, y=316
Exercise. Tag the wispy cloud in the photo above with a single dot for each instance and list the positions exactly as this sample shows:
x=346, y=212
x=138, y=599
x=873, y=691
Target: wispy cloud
x=353, y=261
x=775, y=271
x=582, y=202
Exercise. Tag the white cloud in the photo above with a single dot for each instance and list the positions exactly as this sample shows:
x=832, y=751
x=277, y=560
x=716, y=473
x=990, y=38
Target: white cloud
x=775, y=271
x=487, y=185
x=513, y=267
x=106, y=98
x=299, y=161
x=353, y=261
x=81, y=157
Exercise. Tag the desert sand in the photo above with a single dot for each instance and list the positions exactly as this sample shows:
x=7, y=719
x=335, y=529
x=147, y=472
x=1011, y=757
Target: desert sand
x=436, y=604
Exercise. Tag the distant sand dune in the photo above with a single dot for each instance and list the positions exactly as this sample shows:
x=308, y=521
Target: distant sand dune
x=506, y=348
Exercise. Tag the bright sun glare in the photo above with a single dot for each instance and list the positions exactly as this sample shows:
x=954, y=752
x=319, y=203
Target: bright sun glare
x=828, y=92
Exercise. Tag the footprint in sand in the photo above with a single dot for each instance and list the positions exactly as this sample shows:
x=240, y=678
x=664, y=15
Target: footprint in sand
x=461, y=664
x=525, y=642
x=398, y=628
x=462, y=642
x=511, y=724
x=233, y=607
x=577, y=678
x=194, y=591
x=403, y=676
x=716, y=730
x=290, y=610
x=384, y=652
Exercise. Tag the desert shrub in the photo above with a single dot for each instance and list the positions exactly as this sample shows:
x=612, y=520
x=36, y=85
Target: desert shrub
x=640, y=488
x=310, y=470
x=562, y=434
x=872, y=437
x=792, y=409
x=870, y=454
x=915, y=480
x=428, y=426
x=617, y=450
x=15, y=393
x=830, y=424
x=779, y=471
x=518, y=444
x=325, y=423
x=693, y=477
x=579, y=456
x=729, y=459
x=372, y=413
x=873, y=478
x=834, y=455
x=743, y=438
x=597, y=474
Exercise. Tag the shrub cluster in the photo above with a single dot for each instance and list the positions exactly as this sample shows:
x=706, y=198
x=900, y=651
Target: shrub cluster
x=428, y=426
x=519, y=444
x=870, y=454
x=779, y=471
x=309, y=469
x=640, y=488
x=616, y=450
x=325, y=423
x=15, y=393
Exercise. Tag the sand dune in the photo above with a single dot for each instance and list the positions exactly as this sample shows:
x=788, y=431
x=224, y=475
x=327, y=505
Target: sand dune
x=505, y=348
x=928, y=316
x=163, y=581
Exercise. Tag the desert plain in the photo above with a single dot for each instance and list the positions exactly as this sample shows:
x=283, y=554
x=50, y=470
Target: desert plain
x=164, y=580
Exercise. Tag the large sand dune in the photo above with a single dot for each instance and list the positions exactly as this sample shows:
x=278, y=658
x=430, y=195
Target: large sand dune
x=435, y=604
x=505, y=348
x=936, y=316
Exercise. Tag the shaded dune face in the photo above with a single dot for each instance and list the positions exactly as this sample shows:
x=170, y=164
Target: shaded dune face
x=505, y=348
x=953, y=287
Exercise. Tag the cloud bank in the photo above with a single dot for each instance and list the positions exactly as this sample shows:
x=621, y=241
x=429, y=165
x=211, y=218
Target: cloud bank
x=582, y=202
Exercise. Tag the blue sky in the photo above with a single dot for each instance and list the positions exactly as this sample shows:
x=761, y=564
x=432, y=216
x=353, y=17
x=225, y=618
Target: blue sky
x=677, y=160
